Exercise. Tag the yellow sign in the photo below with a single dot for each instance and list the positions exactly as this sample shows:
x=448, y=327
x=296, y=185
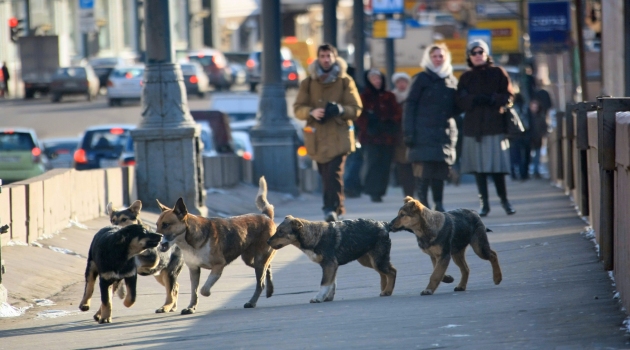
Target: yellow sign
x=457, y=47
x=393, y=29
x=505, y=35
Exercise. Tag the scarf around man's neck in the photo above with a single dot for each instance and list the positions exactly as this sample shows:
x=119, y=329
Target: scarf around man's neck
x=329, y=76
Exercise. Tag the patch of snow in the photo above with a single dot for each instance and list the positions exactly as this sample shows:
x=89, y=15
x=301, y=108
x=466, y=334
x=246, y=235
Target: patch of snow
x=616, y=295
x=44, y=302
x=611, y=275
x=451, y=326
x=37, y=244
x=585, y=219
x=12, y=243
x=213, y=190
x=77, y=224
x=62, y=250
x=459, y=335
x=6, y=310
x=626, y=325
x=46, y=314
x=589, y=233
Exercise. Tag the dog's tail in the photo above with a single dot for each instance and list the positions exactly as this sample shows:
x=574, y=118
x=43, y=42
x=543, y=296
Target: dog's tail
x=261, y=199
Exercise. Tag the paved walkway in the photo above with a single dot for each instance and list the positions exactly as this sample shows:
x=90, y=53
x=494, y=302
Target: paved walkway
x=554, y=295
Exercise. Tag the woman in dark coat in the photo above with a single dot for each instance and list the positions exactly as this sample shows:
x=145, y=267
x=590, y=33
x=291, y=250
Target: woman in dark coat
x=483, y=93
x=429, y=129
x=379, y=126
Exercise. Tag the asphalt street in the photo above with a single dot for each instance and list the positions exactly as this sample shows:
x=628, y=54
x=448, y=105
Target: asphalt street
x=555, y=293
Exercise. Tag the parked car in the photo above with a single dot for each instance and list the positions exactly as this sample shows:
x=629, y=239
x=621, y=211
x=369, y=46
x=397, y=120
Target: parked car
x=74, y=81
x=195, y=79
x=103, y=66
x=292, y=70
x=101, y=146
x=125, y=84
x=215, y=65
x=60, y=151
x=239, y=106
x=21, y=155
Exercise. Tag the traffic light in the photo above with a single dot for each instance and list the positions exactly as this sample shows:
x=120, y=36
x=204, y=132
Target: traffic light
x=14, y=28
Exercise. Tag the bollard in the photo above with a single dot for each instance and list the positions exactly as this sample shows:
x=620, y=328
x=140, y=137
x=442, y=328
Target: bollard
x=567, y=152
x=3, y=229
x=559, y=159
x=581, y=144
x=607, y=108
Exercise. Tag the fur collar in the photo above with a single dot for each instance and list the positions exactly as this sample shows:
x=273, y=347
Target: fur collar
x=343, y=68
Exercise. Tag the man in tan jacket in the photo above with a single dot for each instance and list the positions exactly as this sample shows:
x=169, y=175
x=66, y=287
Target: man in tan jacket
x=329, y=102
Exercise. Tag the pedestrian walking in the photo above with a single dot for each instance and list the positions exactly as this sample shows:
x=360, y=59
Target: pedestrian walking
x=483, y=93
x=379, y=128
x=429, y=129
x=539, y=130
x=5, y=79
x=404, y=170
x=329, y=102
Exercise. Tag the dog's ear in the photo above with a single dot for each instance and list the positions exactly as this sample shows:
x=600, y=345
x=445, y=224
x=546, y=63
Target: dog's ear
x=110, y=210
x=415, y=205
x=408, y=199
x=162, y=206
x=135, y=207
x=180, y=209
x=289, y=217
x=296, y=224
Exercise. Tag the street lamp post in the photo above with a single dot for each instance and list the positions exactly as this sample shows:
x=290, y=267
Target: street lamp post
x=330, y=22
x=274, y=138
x=359, y=43
x=167, y=145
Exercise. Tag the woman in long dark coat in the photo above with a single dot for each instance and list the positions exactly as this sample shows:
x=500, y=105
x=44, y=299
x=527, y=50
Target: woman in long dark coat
x=429, y=129
x=379, y=127
x=483, y=93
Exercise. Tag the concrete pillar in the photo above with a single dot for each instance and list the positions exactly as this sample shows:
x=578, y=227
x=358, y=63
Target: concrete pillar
x=359, y=43
x=168, y=162
x=330, y=22
x=274, y=138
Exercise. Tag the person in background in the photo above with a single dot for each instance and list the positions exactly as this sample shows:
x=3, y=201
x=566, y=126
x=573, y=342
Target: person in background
x=538, y=132
x=379, y=128
x=404, y=170
x=429, y=129
x=5, y=78
x=329, y=102
x=483, y=93
x=520, y=149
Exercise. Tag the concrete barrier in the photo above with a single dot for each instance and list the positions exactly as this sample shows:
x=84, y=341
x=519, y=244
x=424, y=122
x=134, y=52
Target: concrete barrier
x=5, y=211
x=19, y=227
x=622, y=208
x=114, y=186
x=594, y=184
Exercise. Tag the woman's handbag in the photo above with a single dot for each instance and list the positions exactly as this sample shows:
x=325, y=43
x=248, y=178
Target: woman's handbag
x=514, y=125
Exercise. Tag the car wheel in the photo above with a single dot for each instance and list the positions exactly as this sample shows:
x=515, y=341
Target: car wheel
x=201, y=94
x=252, y=87
x=111, y=102
x=89, y=97
x=55, y=98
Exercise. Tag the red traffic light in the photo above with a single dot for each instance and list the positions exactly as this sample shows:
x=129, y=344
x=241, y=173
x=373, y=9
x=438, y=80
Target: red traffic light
x=13, y=22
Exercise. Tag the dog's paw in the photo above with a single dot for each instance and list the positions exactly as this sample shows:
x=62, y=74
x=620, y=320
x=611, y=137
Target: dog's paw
x=84, y=307
x=205, y=292
x=427, y=292
x=315, y=301
x=497, y=279
x=460, y=289
x=249, y=305
x=188, y=311
x=105, y=320
x=330, y=298
x=386, y=294
x=448, y=279
x=97, y=318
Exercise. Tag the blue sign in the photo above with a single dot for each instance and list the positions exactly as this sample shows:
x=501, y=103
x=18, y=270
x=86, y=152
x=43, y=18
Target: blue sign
x=86, y=4
x=483, y=34
x=388, y=6
x=549, y=25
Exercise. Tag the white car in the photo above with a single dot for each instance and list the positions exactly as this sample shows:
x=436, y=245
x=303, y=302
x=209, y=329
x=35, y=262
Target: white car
x=125, y=83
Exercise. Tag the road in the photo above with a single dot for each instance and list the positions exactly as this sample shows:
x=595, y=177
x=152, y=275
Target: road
x=73, y=114
x=554, y=295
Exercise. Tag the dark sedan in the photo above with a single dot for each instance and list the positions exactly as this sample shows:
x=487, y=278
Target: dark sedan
x=101, y=146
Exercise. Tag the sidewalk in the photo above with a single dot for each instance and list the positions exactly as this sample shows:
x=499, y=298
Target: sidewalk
x=554, y=295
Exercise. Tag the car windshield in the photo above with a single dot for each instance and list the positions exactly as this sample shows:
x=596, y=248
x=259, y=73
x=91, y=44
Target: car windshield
x=128, y=73
x=188, y=69
x=114, y=139
x=16, y=141
x=64, y=147
x=112, y=61
x=73, y=72
x=203, y=60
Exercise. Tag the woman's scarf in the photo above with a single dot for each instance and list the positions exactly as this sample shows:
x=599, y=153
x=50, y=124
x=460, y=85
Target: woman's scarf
x=330, y=76
x=442, y=71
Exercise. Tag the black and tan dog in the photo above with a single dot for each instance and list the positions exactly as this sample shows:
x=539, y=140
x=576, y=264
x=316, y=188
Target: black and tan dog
x=164, y=266
x=111, y=259
x=331, y=244
x=446, y=235
x=213, y=243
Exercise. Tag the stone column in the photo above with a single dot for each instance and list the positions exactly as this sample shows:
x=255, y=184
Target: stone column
x=167, y=144
x=359, y=43
x=330, y=22
x=274, y=138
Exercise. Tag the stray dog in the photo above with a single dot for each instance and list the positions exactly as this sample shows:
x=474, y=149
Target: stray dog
x=331, y=244
x=446, y=235
x=111, y=259
x=164, y=266
x=213, y=243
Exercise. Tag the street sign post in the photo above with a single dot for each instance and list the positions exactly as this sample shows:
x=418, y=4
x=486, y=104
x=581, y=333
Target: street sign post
x=549, y=26
x=87, y=23
x=483, y=34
